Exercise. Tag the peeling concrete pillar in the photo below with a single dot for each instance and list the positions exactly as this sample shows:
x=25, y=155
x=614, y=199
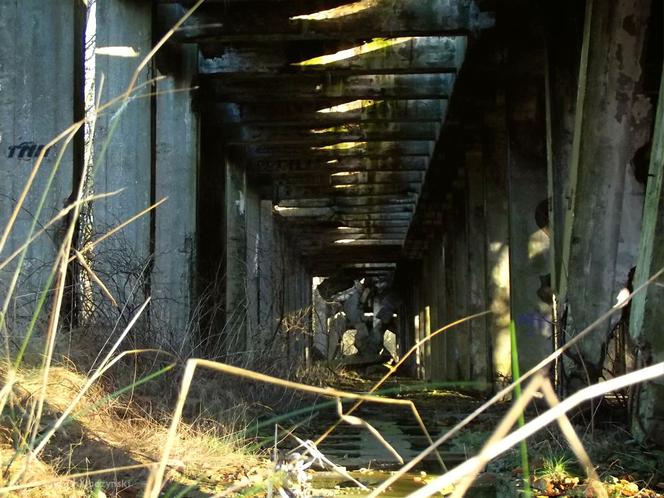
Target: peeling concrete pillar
x=530, y=267
x=123, y=155
x=176, y=168
x=477, y=301
x=253, y=245
x=266, y=254
x=462, y=331
x=613, y=122
x=497, y=240
x=647, y=309
x=236, y=257
x=37, y=63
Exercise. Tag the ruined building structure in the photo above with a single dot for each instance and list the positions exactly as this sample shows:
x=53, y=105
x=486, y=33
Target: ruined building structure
x=475, y=154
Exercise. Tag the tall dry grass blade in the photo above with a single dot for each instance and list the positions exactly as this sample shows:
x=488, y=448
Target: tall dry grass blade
x=540, y=422
x=393, y=369
x=161, y=43
x=82, y=475
x=63, y=212
x=574, y=441
x=95, y=278
x=185, y=385
x=116, y=229
x=505, y=391
x=103, y=367
x=357, y=421
x=507, y=422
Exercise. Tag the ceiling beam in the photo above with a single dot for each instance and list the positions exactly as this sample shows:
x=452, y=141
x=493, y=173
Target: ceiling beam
x=348, y=132
x=229, y=21
x=302, y=164
x=327, y=89
x=431, y=54
x=319, y=114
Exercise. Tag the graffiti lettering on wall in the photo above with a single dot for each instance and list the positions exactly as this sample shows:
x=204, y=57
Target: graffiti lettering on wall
x=26, y=151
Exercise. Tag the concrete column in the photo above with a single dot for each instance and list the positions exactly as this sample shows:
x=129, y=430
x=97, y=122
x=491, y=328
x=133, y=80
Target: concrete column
x=253, y=244
x=438, y=306
x=37, y=64
x=266, y=254
x=477, y=301
x=451, y=337
x=530, y=266
x=124, y=133
x=612, y=123
x=176, y=165
x=462, y=332
x=236, y=257
x=647, y=312
x=497, y=237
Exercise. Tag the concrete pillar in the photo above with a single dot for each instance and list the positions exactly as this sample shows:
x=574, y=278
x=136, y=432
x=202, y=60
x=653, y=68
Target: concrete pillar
x=451, y=337
x=477, y=301
x=530, y=267
x=266, y=255
x=497, y=240
x=236, y=257
x=253, y=245
x=124, y=133
x=647, y=312
x=176, y=167
x=462, y=331
x=37, y=65
x=612, y=123
x=438, y=306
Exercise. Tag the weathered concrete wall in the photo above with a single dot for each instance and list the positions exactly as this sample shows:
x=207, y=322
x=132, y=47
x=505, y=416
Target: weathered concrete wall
x=530, y=266
x=647, y=309
x=175, y=177
x=614, y=123
x=37, y=63
x=123, y=154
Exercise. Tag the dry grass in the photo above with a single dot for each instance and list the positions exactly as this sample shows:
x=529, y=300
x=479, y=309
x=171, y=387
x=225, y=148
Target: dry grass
x=109, y=432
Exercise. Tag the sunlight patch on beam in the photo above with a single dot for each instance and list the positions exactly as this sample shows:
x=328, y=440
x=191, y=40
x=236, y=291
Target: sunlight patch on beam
x=344, y=241
x=344, y=173
x=123, y=51
x=350, y=106
x=335, y=13
x=365, y=48
x=340, y=146
x=332, y=129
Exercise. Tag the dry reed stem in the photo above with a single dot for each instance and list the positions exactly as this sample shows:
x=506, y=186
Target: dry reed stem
x=505, y=391
x=357, y=421
x=156, y=481
x=394, y=368
x=574, y=441
x=61, y=214
x=95, y=278
x=81, y=475
x=116, y=229
x=103, y=367
x=504, y=427
x=538, y=423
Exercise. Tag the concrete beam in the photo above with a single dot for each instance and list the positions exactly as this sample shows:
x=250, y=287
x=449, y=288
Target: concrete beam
x=347, y=132
x=321, y=115
x=326, y=89
x=435, y=54
x=342, y=150
x=356, y=190
x=234, y=21
x=288, y=166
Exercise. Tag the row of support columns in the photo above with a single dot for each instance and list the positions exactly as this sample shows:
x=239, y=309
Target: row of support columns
x=546, y=216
